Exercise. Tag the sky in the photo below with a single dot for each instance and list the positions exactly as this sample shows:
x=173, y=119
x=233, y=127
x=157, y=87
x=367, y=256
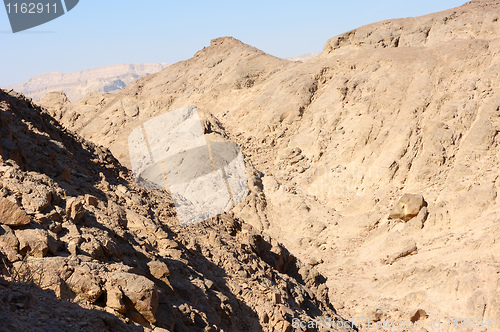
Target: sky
x=99, y=33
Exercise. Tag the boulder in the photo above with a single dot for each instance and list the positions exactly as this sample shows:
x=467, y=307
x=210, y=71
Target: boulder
x=141, y=292
x=114, y=299
x=90, y=246
x=9, y=244
x=34, y=204
x=91, y=200
x=408, y=207
x=84, y=285
x=74, y=208
x=98, y=244
x=130, y=107
x=36, y=242
x=7, y=236
x=11, y=214
x=136, y=221
x=159, y=270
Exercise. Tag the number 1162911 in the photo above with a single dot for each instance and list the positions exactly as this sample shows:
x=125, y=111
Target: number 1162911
x=31, y=8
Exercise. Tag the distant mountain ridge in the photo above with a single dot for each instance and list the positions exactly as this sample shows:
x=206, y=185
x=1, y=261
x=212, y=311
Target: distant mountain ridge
x=80, y=83
x=303, y=57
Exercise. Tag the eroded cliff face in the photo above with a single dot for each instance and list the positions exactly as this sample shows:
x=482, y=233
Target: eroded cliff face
x=77, y=84
x=331, y=145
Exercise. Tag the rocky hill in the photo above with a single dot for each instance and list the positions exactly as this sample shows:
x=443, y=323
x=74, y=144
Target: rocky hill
x=406, y=106
x=80, y=83
x=75, y=227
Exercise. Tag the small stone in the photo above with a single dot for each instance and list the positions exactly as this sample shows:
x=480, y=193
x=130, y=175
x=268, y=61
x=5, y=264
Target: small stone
x=264, y=317
x=114, y=300
x=168, y=244
x=130, y=108
x=408, y=207
x=141, y=291
x=54, y=215
x=11, y=214
x=121, y=189
x=276, y=298
x=84, y=285
x=313, y=261
x=7, y=236
x=91, y=200
x=74, y=209
x=56, y=227
x=73, y=247
x=376, y=315
x=40, y=218
x=158, y=269
x=419, y=315
x=209, y=283
x=159, y=329
x=9, y=243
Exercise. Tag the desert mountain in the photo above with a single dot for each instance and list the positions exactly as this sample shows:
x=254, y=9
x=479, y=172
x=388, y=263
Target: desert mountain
x=75, y=226
x=80, y=83
x=403, y=106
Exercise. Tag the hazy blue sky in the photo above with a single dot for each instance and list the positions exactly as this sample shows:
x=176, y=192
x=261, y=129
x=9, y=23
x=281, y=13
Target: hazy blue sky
x=99, y=33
